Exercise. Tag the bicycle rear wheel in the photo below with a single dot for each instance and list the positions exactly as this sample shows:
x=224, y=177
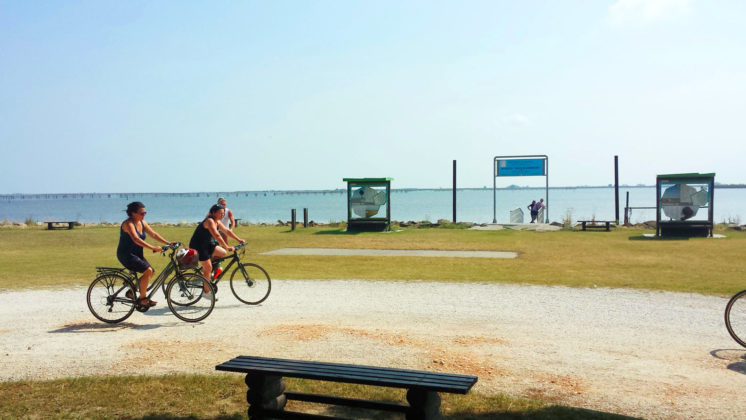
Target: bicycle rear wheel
x=186, y=298
x=111, y=298
x=250, y=283
x=735, y=317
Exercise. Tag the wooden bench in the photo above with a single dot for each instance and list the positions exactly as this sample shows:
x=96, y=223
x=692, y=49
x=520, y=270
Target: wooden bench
x=596, y=224
x=267, y=396
x=57, y=225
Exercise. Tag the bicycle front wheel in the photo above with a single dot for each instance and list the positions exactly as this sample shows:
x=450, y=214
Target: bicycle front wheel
x=735, y=317
x=250, y=283
x=187, y=298
x=111, y=298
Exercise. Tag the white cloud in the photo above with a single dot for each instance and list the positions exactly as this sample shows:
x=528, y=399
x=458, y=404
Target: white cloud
x=516, y=119
x=648, y=10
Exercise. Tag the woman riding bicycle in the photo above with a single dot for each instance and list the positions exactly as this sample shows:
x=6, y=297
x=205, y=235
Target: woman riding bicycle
x=131, y=242
x=208, y=242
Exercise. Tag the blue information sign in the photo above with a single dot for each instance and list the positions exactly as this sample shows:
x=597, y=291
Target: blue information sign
x=520, y=167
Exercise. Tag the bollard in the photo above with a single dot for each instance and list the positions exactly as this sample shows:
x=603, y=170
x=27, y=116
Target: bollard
x=292, y=219
x=305, y=217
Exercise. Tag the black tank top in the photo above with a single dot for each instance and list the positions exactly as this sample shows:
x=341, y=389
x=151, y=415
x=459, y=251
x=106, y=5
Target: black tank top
x=201, y=236
x=127, y=245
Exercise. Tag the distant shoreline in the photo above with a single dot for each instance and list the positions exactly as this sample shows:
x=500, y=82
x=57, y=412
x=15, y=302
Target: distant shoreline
x=281, y=192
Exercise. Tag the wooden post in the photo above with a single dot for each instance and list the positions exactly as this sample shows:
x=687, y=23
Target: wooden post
x=305, y=217
x=292, y=219
x=626, y=211
x=454, y=191
x=616, y=188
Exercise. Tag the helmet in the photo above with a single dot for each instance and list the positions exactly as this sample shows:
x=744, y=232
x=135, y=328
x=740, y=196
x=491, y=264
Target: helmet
x=186, y=257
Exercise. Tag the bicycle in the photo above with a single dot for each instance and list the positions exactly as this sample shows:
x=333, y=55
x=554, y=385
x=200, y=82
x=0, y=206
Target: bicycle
x=249, y=282
x=735, y=317
x=112, y=296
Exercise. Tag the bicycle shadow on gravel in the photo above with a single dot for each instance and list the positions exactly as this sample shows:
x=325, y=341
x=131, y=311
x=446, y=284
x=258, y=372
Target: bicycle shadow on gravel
x=94, y=327
x=736, y=356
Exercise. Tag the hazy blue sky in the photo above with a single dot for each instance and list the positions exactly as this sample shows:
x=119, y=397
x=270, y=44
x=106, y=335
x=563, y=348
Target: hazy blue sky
x=109, y=96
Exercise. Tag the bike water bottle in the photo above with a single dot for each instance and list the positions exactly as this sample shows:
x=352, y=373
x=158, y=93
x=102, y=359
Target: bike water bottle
x=218, y=270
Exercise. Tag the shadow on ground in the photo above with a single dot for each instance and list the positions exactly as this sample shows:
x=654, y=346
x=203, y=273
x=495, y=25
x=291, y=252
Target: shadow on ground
x=94, y=327
x=655, y=238
x=548, y=413
x=737, y=357
x=336, y=232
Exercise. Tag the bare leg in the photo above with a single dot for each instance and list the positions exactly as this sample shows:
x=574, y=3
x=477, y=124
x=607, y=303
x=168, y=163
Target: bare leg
x=144, y=280
x=206, y=270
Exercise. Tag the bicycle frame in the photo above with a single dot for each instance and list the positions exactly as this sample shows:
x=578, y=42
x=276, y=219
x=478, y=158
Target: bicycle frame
x=160, y=280
x=234, y=258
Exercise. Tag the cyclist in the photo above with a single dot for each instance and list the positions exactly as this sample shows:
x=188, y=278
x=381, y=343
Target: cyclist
x=208, y=242
x=132, y=235
x=227, y=220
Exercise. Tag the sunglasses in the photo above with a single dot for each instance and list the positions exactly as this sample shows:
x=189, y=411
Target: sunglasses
x=142, y=213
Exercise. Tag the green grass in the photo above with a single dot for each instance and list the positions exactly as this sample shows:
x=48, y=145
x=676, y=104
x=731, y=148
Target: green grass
x=223, y=397
x=36, y=257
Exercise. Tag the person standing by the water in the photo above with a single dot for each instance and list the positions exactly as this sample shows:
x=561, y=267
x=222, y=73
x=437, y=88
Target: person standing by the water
x=538, y=205
x=132, y=235
x=531, y=209
x=227, y=220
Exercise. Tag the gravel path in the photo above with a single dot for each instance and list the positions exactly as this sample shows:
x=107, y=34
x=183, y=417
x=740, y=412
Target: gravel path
x=646, y=354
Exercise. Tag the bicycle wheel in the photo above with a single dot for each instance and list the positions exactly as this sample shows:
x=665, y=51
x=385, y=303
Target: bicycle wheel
x=250, y=283
x=111, y=298
x=735, y=317
x=186, y=299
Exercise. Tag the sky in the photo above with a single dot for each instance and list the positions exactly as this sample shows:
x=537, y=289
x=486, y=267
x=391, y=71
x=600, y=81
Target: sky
x=183, y=96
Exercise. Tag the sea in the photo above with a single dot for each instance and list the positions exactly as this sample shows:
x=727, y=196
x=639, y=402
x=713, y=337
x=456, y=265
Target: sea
x=328, y=206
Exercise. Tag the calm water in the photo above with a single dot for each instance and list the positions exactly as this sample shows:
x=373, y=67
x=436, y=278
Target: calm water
x=323, y=207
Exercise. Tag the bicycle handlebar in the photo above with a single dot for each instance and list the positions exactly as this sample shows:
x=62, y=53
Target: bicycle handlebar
x=171, y=246
x=239, y=246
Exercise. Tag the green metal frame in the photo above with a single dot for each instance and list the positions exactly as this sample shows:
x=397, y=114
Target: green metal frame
x=682, y=226
x=369, y=223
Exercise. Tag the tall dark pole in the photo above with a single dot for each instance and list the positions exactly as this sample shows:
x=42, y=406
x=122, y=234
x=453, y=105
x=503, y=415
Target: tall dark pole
x=454, y=191
x=616, y=188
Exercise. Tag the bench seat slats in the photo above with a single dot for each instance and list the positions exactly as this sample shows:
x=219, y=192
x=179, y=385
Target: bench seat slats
x=300, y=370
x=353, y=370
x=255, y=362
x=368, y=375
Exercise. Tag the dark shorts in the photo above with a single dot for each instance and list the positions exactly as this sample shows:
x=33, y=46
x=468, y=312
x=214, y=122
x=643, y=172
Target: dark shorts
x=204, y=250
x=134, y=262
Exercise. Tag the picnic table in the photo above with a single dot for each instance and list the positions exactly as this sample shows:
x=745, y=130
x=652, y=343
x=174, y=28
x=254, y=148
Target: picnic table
x=596, y=224
x=60, y=225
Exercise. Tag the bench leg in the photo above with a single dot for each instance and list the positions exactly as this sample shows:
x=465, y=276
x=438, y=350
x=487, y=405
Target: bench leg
x=265, y=393
x=423, y=405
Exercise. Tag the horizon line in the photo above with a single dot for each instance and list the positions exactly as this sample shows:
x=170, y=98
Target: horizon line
x=218, y=193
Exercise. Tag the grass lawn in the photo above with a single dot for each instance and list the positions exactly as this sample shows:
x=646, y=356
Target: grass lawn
x=224, y=397
x=36, y=257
